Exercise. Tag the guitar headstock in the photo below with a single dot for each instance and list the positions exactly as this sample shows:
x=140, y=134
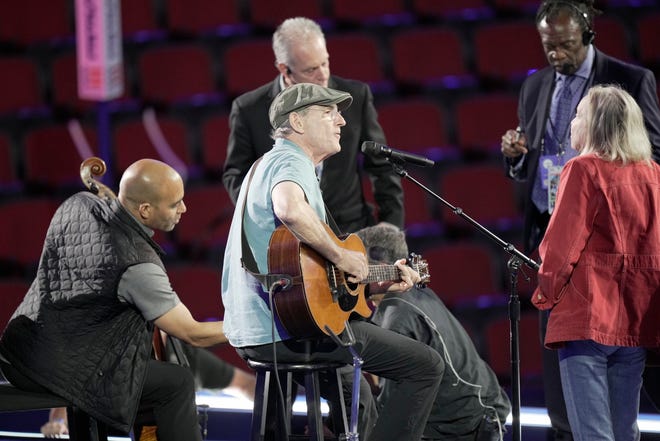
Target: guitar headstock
x=422, y=267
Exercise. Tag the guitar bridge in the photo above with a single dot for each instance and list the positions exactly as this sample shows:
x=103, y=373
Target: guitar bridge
x=340, y=294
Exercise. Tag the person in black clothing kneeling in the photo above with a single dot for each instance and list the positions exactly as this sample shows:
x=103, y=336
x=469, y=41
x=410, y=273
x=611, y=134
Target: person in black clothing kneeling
x=470, y=404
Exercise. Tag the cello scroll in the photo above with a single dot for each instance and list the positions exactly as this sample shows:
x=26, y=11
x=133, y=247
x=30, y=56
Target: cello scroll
x=90, y=169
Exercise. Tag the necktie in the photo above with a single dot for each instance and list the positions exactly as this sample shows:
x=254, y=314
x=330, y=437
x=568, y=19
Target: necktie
x=563, y=113
x=556, y=136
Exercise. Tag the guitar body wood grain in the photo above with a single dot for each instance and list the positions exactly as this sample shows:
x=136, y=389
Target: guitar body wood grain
x=324, y=297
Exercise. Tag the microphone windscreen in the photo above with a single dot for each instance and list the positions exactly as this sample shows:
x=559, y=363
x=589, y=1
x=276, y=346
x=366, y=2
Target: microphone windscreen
x=370, y=147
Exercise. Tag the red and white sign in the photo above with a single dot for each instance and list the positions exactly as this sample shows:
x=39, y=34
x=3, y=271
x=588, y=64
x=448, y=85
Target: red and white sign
x=99, y=49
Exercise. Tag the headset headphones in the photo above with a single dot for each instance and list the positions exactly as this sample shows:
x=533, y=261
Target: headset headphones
x=588, y=35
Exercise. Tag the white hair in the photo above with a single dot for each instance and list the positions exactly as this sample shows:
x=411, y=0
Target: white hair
x=293, y=31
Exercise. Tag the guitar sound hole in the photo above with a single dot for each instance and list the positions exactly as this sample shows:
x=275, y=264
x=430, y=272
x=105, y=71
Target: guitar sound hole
x=341, y=288
x=346, y=301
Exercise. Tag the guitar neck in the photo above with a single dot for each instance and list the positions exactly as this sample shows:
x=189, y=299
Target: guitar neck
x=382, y=273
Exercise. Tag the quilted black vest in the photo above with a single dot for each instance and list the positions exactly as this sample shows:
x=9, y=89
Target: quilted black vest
x=71, y=333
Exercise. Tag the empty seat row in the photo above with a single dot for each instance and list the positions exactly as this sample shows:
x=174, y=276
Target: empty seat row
x=480, y=190
x=199, y=73
x=48, y=155
x=155, y=19
x=202, y=229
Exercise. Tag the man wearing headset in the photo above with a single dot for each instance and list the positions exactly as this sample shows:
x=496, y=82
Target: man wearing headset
x=541, y=144
x=470, y=404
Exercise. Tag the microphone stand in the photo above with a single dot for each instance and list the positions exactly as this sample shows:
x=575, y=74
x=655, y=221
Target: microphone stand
x=516, y=260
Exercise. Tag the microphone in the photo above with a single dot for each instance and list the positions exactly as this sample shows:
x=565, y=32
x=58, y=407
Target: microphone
x=373, y=148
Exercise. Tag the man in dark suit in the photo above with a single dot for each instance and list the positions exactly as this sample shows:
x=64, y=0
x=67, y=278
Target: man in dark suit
x=540, y=146
x=301, y=57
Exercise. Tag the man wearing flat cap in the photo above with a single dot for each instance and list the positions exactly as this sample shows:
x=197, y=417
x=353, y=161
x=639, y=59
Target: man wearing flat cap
x=282, y=189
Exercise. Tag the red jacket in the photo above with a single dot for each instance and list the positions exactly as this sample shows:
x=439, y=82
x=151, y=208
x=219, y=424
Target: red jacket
x=601, y=255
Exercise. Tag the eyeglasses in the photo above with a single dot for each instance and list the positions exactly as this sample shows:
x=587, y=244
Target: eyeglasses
x=331, y=112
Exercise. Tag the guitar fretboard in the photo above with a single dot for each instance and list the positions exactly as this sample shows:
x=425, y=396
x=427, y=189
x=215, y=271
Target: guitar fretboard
x=381, y=273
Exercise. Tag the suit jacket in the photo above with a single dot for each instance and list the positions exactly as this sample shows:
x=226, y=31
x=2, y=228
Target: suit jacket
x=533, y=110
x=341, y=181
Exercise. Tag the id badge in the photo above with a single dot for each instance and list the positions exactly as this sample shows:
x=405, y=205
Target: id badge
x=553, y=185
x=546, y=162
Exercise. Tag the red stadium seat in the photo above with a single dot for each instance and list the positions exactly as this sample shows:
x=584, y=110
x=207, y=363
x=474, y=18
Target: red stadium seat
x=12, y=292
x=202, y=17
x=450, y=9
x=37, y=22
x=162, y=138
x=24, y=224
x=177, y=74
x=214, y=133
x=481, y=121
x=20, y=86
x=268, y=14
x=8, y=165
x=139, y=21
x=198, y=287
x=205, y=226
x=417, y=125
x=247, y=65
x=369, y=11
x=507, y=66
x=419, y=209
x=64, y=77
x=465, y=275
x=516, y=6
x=53, y=155
x=498, y=347
x=612, y=37
x=446, y=68
x=649, y=49
x=484, y=193
x=345, y=49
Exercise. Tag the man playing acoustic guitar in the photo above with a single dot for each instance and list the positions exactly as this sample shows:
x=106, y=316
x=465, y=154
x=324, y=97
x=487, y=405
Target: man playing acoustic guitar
x=282, y=189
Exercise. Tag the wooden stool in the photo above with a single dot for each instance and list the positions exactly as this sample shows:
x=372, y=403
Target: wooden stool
x=82, y=427
x=310, y=372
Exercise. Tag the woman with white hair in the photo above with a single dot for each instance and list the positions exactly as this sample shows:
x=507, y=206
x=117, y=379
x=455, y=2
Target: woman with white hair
x=601, y=266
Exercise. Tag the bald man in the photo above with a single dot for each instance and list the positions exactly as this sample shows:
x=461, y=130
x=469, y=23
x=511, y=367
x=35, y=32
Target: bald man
x=83, y=330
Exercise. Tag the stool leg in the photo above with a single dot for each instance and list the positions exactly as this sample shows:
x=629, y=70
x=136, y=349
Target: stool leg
x=263, y=397
x=338, y=407
x=260, y=406
x=283, y=409
x=289, y=398
x=313, y=396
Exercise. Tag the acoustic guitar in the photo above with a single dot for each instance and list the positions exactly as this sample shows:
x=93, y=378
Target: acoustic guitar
x=321, y=294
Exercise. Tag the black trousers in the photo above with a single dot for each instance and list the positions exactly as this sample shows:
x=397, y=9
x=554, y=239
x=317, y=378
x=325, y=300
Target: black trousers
x=413, y=366
x=167, y=401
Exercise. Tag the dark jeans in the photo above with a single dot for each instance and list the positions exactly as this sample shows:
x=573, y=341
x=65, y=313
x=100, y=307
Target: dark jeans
x=415, y=368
